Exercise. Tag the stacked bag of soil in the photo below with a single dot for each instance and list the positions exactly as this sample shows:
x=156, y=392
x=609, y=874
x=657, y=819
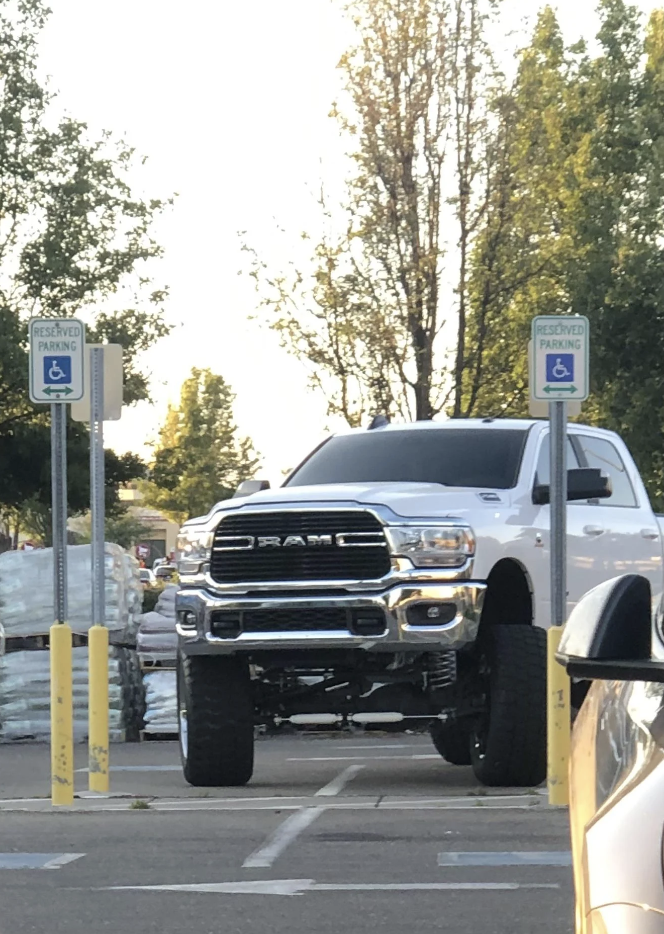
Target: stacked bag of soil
x=160, y=701
x=26, y=615
x=25, y=695
x=157, y=640
x=26, y=592
x=157, y=646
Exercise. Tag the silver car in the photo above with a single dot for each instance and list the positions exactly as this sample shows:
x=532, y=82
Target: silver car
x=617, y=761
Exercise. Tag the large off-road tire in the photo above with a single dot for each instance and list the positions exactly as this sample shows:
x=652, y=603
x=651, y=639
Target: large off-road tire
x=216, y=717
x=452, y=741
x=508, y=743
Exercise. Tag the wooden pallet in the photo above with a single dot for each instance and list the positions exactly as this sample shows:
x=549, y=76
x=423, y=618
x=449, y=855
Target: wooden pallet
x=150, y=664
x=150, y=736
x=40, y=643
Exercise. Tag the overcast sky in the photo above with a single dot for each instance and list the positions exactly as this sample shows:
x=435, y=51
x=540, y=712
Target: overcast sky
x=229, y=102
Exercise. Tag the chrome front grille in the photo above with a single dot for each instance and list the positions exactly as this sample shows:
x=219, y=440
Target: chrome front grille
x=299, y=546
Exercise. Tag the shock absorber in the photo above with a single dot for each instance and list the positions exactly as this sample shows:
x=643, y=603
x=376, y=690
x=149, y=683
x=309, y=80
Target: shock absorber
x=442, y=670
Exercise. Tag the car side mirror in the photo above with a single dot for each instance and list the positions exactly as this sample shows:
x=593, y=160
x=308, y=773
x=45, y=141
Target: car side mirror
x=582, y=483
x=609, y=633
x=249, y=487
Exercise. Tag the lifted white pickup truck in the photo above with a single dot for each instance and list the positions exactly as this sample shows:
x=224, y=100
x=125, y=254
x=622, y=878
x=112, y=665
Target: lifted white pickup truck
x=400, y=572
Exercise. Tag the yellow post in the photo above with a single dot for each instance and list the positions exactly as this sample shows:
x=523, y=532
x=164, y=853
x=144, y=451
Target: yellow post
x=62, y=717
x=98, y=708
x=558, y=723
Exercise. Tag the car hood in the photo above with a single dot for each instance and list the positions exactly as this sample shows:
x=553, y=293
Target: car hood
x=409, y=500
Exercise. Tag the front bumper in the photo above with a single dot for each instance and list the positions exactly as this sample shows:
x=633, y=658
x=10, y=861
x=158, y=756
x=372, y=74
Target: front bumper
x=399, y=634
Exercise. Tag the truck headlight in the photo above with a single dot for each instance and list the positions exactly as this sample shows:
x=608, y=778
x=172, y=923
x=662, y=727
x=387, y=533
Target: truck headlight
x=432, y=546
x=193, y=549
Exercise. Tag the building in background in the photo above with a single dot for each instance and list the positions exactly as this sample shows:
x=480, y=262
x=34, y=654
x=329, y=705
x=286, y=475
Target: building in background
x=159, y=542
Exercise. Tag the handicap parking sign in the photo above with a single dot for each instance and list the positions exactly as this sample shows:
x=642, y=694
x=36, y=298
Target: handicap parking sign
x=560, y=367
x=57, y=370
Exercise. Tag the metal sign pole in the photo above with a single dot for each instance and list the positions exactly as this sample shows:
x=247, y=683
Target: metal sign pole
x=62, y=727
x=98, y=635
x=558, y=687
x=97, y=503
x=558, y=422
x=59, y=508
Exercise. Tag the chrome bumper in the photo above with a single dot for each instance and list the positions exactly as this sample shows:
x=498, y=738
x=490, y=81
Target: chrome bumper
x=399, y=634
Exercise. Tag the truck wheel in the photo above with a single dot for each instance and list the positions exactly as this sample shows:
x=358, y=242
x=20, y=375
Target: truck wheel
x=452, y=741
x=216, y=719
x=508, y=743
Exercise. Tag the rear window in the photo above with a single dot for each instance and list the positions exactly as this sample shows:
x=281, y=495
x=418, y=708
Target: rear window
x=486, y=458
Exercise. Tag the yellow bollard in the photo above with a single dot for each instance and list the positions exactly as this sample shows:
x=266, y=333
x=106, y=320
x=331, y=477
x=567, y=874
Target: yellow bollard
x=62, y=716
x=98, y=708
x=558, y=722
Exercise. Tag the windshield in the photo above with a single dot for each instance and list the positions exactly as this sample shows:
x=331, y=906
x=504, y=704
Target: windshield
x=461, y=457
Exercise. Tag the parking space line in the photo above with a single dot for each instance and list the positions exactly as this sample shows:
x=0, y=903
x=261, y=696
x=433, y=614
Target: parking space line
x=141, y=768
x=387, y=746
x=63, y=860
x=337, y=784
x=520, y=858
x=364, y=758
x=283, y=836
x=37, y=860
x=302, y=886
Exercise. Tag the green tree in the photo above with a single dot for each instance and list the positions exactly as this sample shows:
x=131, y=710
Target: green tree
x=372, y=318
x=74, y=240
x=122, y=528
x=525, y=246
x=199, y=458
x=585, y=223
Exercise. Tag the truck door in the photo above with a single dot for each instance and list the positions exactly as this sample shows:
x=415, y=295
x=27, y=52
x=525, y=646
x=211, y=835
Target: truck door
x=586, y=566
x=621, y=532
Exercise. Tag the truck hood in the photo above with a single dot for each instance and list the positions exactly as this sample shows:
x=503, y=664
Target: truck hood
x=410, y=500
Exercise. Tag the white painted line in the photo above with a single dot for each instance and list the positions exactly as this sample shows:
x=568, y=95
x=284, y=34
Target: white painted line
x=506, y=858
x=283, y=836
x=45, y=800
x=388, y=746
x=141, y=768
x=433, y=886
x=63, y=860
x=534, y=803
x=466, y=798
x=302, y=886
x=337, y=784
x=254, y=887
x=355, y=758
x=37, y=860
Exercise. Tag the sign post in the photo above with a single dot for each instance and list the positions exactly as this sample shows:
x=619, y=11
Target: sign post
x=98, y=739
x=56, y=376
x=559, y=375
x=102, y=402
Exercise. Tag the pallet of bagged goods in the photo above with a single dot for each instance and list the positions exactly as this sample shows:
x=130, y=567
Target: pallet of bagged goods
x=157, y=649
x=26, y=615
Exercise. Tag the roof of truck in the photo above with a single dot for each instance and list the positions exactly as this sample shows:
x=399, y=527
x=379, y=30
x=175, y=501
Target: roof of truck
x=506, y=423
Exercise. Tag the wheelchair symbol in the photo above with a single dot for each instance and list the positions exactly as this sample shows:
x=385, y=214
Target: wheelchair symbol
x=560, y=368
x=57, y=370
x=560, y=371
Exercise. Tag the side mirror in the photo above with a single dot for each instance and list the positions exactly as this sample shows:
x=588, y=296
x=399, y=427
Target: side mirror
x=249, y=487
x=582, y=483
x=609, y=633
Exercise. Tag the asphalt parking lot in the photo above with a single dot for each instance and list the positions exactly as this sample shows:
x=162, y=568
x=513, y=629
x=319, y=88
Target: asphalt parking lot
x=343, y=833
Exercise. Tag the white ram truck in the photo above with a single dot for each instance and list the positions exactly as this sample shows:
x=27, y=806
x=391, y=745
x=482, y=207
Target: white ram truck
x=400, y=572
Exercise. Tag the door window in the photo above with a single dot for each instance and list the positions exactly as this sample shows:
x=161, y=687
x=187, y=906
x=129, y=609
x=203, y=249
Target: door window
x=600, y=453
x=543, y=474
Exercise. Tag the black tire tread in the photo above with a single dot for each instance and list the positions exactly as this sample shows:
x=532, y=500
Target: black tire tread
x=452, y=741
x=220, y=720
x=515, y=752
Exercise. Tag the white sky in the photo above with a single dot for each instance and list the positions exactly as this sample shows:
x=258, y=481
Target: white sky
x=229, y=102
